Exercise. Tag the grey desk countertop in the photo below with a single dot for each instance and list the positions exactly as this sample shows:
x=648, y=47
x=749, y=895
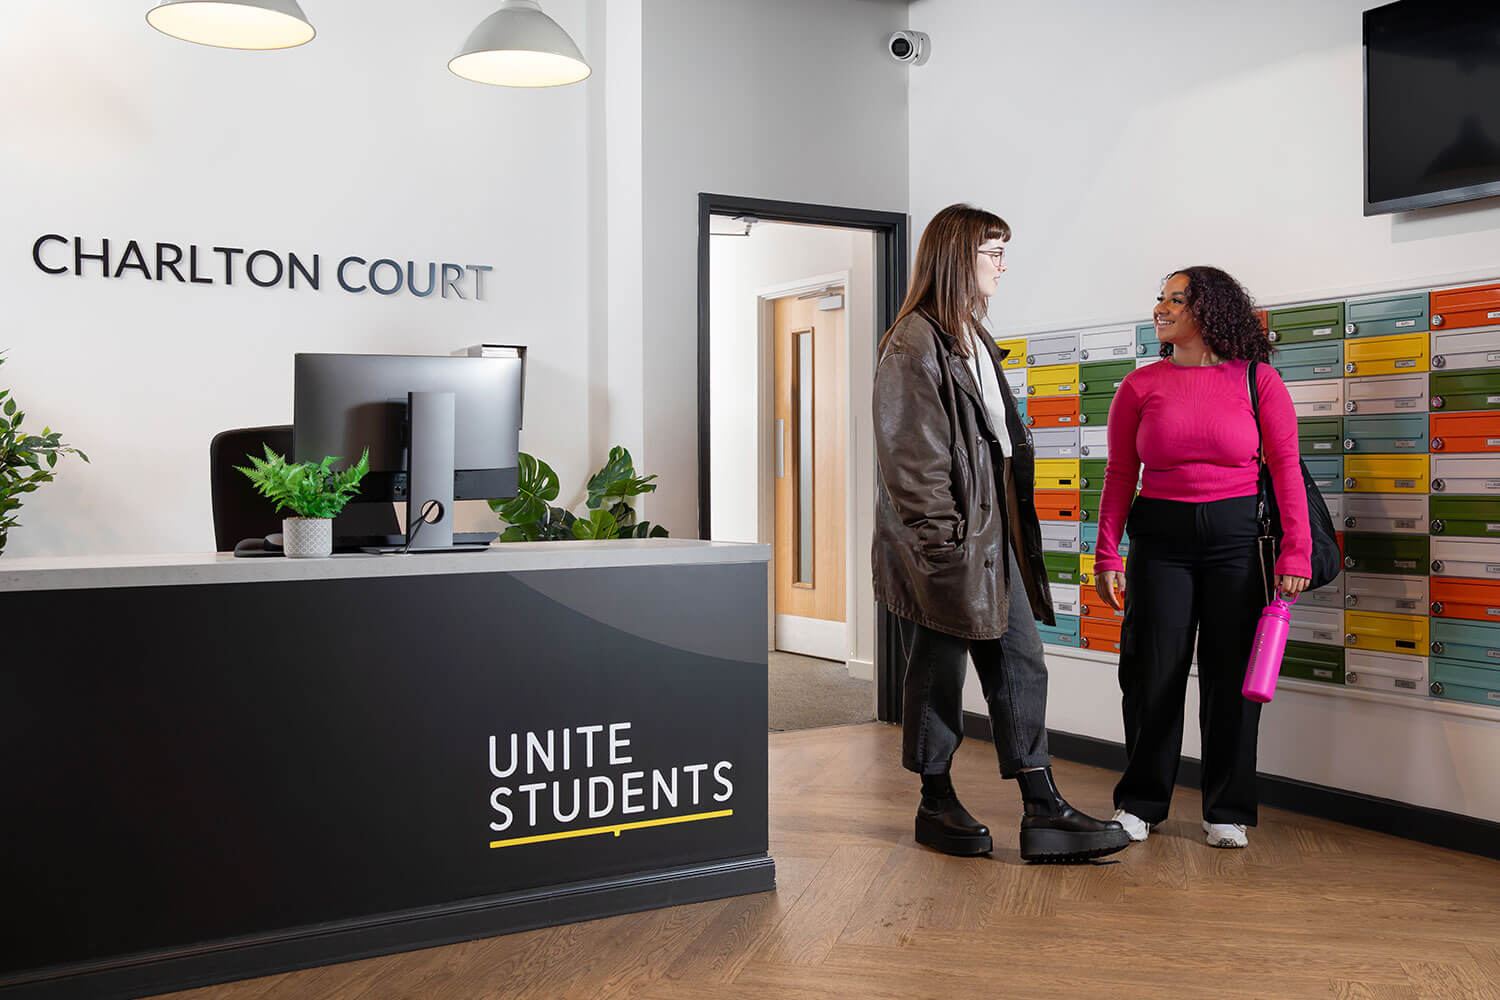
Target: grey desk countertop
x=194, y=568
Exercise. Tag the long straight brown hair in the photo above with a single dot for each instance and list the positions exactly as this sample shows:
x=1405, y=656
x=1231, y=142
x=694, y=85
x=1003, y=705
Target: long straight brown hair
x=944, y=282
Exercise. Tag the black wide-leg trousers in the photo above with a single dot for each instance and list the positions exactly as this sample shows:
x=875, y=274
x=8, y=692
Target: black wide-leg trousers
x=1192, y=574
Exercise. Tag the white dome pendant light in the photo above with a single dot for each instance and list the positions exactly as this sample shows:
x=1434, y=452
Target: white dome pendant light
x=519, y=46
x=233, y=24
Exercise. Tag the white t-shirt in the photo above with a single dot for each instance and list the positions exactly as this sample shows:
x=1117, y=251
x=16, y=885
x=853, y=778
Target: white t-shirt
x=991, y=391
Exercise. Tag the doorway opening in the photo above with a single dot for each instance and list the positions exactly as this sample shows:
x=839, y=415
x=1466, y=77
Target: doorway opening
x=792, y=301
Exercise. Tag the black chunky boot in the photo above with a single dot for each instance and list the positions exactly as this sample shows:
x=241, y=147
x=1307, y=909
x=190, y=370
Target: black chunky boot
x=943, y=824
x=1052, y=830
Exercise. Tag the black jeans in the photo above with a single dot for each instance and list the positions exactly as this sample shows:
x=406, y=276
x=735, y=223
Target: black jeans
x=1012, y=674
x=1192, y=573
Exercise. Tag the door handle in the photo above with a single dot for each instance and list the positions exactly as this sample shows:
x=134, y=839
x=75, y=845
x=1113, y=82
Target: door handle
x=781, y=448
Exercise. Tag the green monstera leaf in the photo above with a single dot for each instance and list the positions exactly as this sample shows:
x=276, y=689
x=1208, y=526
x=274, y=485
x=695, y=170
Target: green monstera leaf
x=536, y=488
x=600, y=524
x=644, y=530
x=531, y=517
x=617, y=482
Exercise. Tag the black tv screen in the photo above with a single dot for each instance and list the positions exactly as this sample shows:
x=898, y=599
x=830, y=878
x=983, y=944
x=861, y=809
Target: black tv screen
x=1432, y=103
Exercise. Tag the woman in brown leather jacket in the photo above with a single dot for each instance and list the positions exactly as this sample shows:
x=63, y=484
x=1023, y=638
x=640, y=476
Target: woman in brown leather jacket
x=958, y=549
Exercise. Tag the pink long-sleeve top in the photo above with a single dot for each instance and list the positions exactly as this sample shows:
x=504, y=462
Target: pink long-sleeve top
x=1193, y=432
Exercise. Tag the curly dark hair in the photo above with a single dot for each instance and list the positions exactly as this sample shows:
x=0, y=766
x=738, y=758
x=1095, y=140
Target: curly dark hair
x=1225, y=313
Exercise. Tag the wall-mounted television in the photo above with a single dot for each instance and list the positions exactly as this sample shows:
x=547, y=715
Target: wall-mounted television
x=1432, y=103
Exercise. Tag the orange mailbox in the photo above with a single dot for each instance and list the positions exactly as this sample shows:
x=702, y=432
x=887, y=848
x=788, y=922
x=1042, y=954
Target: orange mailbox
x=1466, y=432
x=1091, y=607
x=1456, y=308
x=1100, y=635
x=1057, y=505
x=1052, y=411
x=1476, y=600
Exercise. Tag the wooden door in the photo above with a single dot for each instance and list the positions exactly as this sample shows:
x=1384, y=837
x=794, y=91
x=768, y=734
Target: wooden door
x=809, y=427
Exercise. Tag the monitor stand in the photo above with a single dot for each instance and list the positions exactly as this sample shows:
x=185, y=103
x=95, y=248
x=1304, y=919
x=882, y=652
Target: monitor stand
x=429, y=465
x=429, y=481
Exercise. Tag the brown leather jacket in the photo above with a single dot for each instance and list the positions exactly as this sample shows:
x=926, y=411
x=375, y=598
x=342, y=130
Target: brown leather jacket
x=941, y=521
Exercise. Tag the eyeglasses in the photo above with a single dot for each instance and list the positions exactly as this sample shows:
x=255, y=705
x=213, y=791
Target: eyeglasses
x=997, y=257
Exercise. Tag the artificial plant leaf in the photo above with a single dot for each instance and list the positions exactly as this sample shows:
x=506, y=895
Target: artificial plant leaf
x=600, y=524
x=519, y=533
x=618, y=468
x=624, y=513
x=536, y=485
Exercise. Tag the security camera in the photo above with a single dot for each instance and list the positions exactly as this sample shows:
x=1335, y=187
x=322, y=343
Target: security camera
x=909, y=47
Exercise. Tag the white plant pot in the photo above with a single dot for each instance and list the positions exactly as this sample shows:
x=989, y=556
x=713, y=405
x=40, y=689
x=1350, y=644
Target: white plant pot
x=307, y=537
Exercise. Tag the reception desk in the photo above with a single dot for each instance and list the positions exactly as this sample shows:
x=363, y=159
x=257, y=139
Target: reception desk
x=217, y=768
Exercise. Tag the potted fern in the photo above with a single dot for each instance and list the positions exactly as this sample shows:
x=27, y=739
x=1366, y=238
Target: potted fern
x=312, y=491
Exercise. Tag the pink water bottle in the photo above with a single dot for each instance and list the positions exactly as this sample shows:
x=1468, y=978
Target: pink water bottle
x=1267, y=649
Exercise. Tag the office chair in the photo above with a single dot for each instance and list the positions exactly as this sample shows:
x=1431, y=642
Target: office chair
x=239, y=511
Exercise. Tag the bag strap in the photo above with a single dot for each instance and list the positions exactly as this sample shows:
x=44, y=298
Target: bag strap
x=1260, y=444
x=1260, y=447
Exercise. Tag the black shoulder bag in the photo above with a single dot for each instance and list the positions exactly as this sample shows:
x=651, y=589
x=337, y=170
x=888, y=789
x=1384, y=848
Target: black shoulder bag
x=1326, y=561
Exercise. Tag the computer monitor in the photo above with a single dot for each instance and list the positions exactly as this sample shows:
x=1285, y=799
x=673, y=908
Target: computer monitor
x=345, y=403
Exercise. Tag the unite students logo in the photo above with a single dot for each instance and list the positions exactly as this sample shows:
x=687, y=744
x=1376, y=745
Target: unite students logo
x=565, y=781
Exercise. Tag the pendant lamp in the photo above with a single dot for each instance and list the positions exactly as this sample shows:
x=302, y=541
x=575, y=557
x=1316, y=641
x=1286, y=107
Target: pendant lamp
x=519, y=46
x=233, y=24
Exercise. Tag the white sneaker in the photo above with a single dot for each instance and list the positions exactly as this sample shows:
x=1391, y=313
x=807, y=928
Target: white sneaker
x=1225, y=834
x=1135, y=827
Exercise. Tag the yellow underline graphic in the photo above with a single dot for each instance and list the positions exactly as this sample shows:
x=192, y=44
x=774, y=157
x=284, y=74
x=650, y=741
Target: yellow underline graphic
x=616, y=830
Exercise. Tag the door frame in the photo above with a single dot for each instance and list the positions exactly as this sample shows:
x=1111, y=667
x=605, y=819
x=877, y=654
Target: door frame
x=891, y=269
x=765, y=315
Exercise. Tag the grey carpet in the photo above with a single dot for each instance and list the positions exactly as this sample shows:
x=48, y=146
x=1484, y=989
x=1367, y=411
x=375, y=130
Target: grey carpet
x=808, y=693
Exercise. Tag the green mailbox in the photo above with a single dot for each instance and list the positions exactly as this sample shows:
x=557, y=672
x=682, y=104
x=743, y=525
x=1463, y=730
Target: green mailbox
x=1470, y=390
x=1408, y=555
x=1306, y=324
x=1088, y=505
x=1309, y=661
x=1091, y=473
x=1321, y=435
x=1103, y=378
x=1062, y=567
x=1474, y=517
x=1093, y=411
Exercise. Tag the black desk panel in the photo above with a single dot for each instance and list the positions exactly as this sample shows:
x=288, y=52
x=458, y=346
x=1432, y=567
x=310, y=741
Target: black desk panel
x=209, y=782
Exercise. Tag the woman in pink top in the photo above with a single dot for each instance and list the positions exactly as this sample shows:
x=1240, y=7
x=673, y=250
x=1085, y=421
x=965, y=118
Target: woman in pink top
x=1185, y=425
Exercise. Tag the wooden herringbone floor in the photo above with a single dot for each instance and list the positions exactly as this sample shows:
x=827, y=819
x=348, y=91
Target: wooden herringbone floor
x=1310, y=909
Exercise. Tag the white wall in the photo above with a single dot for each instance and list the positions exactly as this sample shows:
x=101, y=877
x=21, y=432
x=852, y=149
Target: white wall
x=1123, y=141
x=774, y=99
x=360, y=142
x=741, y=269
